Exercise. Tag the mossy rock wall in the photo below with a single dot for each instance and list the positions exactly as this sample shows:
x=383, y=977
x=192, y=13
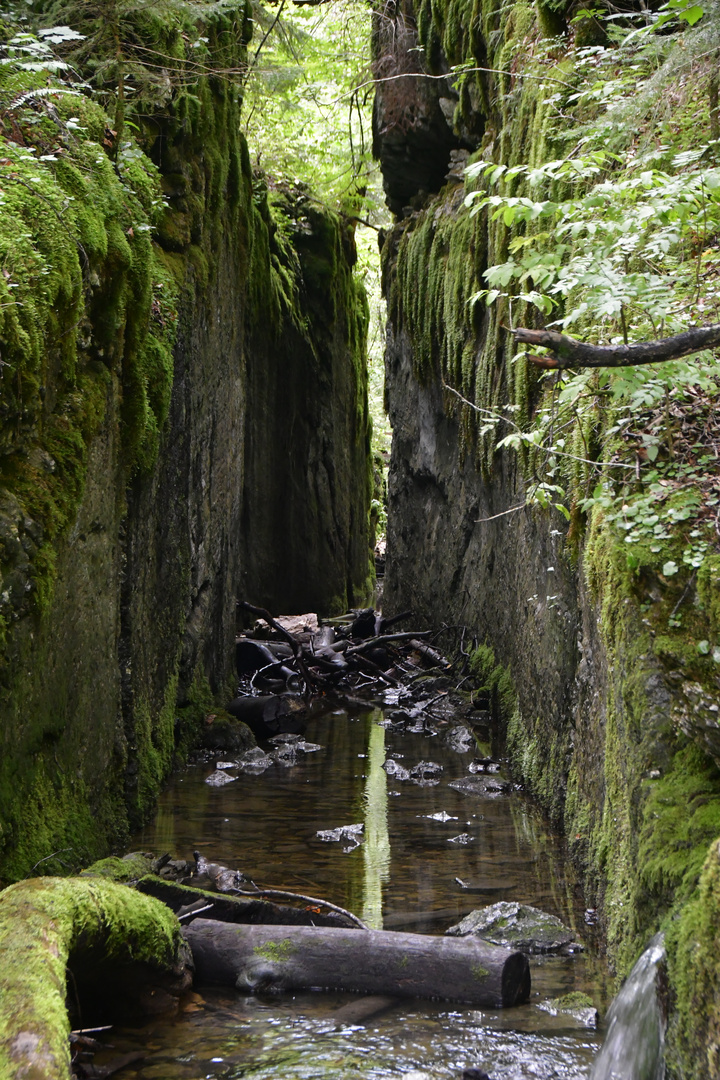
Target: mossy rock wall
x=612, y=723
x=204, y=438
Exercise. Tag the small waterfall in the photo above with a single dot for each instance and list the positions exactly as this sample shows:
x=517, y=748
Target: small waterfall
x=633, y=1046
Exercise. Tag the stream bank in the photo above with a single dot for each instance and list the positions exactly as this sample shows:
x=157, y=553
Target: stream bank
x=597, y=630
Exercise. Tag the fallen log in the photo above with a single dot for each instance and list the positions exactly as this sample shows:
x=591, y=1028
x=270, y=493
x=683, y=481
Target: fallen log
x=435, y=658
x=119, y=947
x=231, y=881
x=269, y=958
x=182, y=899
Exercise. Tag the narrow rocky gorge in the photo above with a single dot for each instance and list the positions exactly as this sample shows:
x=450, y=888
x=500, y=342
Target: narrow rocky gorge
x=185, y=427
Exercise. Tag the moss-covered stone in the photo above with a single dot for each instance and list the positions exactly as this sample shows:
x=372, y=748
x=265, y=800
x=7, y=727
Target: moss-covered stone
x=691, y=942
x=123, y=870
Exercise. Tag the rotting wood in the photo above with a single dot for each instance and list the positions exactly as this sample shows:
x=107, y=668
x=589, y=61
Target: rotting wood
x=566, y=352
x=233, y=908
x=269, y=958
x=331, y=657
x=231, y=881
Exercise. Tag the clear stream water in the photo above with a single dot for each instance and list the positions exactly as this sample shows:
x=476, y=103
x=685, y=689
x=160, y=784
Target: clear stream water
x=410, y=873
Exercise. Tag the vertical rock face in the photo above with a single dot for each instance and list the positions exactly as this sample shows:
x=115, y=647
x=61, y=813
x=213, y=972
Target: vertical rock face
x=597, y=695
x=236, y=466
x=460, y=550
x=412, y=114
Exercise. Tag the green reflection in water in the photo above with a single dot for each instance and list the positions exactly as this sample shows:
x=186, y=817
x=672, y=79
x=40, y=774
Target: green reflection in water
x=376, y=849
x=164, y=830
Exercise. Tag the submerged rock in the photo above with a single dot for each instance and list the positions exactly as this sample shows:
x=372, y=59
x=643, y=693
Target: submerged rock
x=576, y=1005
x=286, y=755
x=517, y=926
x=425, y=769
x=460, y=739
x=255, y=761
x=481, y=785
x=219, y=777
x=397, y=771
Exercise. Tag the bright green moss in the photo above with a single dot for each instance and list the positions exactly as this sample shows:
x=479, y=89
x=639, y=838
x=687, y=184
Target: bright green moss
x=128, y=869
x=41, y=921
x=693, y=1050
x=276, y=952
x=495, y=681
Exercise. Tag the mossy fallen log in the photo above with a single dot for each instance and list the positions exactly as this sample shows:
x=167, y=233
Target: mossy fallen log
x=262, y=958
x=49, y=926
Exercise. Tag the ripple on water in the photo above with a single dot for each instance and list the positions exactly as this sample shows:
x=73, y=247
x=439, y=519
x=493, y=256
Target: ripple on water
x=405, y=876
x=230, y=1037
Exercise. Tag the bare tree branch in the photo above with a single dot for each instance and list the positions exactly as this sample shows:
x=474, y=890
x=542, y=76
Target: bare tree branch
x=565, y=352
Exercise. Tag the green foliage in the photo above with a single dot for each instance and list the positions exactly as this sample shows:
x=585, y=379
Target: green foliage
x=308, y=99
x=619, y=255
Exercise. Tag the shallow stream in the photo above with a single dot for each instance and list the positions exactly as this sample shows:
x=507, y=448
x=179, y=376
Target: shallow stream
x=430, y=854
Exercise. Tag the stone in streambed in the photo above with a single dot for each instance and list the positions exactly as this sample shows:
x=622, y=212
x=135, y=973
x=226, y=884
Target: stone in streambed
x=517, y=926
x=224, y=732
x=481, y=786
x=576, y=1005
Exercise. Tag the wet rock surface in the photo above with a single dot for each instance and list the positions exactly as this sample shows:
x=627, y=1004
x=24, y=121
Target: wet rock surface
x=481, y=786
x=517, y=926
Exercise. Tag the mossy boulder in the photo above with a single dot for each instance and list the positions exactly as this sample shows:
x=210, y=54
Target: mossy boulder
x=516, y=926
x=123, y=869
x=221, y=731
x=575, y=1005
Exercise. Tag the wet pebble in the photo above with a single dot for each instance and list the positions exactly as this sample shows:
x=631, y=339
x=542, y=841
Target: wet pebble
x=348, y=834
x=218, y=778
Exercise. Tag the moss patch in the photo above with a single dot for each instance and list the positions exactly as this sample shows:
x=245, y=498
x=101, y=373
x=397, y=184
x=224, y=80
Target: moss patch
x=276, y=952
x=41, y=921
x=694, y=972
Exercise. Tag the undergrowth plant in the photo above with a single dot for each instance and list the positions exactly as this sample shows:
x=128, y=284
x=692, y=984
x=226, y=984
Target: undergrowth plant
x=618, y=241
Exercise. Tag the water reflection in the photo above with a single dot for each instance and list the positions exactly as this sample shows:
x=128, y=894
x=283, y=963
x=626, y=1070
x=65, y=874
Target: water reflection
x=376, y=851
x=410, y=874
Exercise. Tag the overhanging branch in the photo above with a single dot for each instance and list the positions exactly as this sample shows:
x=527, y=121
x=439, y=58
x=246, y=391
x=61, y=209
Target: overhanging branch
x=565, y=352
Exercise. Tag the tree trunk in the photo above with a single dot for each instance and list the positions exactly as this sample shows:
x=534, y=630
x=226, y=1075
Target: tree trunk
x=257, y=958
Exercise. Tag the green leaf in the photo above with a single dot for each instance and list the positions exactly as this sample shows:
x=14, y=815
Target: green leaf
x=703, y=647
x=670, y=568
x=692, y=15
